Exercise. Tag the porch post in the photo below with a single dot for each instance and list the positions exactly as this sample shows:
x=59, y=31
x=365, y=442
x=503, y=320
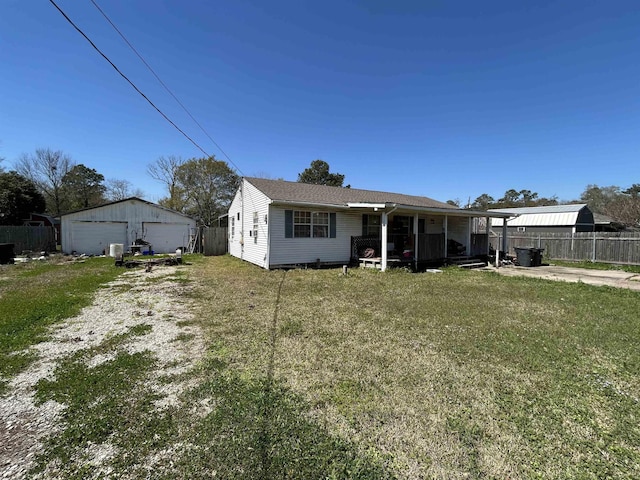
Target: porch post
x=383, y=241
x=415, y=241
x=504, y=236
x=487, y=231
x=469, y=228
x=446, y=235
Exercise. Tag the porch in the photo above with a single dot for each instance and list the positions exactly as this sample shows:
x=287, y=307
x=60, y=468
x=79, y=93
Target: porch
x=420, y=241
x=367, y=251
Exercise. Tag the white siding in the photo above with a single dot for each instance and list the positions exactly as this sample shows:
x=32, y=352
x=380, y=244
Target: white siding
x=242, y=243
x=133, y=212
x=434, y=224
x=287, y=251
x=234, y=226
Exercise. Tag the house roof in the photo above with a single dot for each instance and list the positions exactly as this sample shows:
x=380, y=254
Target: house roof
x=291, y=192
x=126, y=200
x=552, y=215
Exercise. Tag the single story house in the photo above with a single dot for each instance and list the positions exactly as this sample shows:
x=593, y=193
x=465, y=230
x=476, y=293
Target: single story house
x=551, y=219
x=276, y=223
x=92, y=230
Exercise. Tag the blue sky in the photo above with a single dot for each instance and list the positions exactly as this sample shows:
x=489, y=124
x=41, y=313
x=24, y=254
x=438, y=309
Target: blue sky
x=435, y=98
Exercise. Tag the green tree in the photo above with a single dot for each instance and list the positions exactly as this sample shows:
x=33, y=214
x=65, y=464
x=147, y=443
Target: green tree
x=598, y=198
x=483, y=202
x=318, y=174
x=83, y=187
x=46, y=169
x=204, y=189
x=18, y=198
x=633, y=191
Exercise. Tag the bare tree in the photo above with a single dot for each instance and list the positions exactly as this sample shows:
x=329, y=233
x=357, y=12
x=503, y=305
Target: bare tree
x=120, y=189
x=46, y=169
x=165, y=170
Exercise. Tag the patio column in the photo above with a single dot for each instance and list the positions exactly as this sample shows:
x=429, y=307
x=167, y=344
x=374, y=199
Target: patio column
x=415, y=241
x=504, y=236
x=487, y=231
x=383, y=241
x=469, y=228
x=446, y=235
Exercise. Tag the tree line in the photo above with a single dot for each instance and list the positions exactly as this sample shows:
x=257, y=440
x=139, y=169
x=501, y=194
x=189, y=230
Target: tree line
x=622, y=205
x=49, y=181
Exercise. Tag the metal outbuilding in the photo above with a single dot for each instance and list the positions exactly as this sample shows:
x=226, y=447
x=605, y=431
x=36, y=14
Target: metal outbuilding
x=92, y=230
x=551, y=219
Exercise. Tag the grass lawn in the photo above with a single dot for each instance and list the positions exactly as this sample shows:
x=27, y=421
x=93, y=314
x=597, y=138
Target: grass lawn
x=310, y=374
x=456, y=375
x=35, y=296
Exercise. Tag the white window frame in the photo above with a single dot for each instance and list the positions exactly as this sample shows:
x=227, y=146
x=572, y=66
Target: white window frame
x=317, y=224
x=255, y=227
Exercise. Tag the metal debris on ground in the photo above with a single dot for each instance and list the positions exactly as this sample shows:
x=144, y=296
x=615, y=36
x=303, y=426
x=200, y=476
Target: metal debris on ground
x=148, y=264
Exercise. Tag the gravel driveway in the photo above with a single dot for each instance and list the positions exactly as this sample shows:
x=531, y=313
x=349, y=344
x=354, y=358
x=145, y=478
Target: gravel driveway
x=156, y=299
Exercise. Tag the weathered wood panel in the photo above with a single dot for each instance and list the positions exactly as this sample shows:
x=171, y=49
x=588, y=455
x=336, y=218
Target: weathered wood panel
x=607, y=247
x=214, y=241
x=35, y=239
x=430, y=246
x=478, y=244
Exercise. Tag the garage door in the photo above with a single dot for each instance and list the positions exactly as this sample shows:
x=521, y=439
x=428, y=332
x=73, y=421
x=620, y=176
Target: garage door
x=166, y=237
x=93, y=238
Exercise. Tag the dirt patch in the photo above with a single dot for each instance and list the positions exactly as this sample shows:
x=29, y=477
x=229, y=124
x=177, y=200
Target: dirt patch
x=155, y=299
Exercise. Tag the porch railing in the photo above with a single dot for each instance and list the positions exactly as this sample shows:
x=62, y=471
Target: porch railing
x=430, y=246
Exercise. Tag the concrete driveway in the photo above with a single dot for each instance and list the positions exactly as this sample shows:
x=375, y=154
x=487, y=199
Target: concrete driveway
x=612, y=278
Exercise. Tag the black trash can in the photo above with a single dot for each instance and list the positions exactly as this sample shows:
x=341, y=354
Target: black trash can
x=6, y=253
x=536, y=259
x=524, y=256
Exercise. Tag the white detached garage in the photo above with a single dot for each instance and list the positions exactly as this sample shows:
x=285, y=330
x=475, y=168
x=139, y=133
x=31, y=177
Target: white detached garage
x=92, y=230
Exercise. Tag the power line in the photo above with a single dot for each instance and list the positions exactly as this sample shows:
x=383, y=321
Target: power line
x=95, y=4
x=127, y=79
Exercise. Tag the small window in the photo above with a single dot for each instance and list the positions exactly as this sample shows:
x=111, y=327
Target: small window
x=522, y=229
x=233, y=226
x=238, y=215
x=255, y=227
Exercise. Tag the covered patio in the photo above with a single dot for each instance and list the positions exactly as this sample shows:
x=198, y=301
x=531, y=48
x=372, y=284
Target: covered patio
x=404, y=235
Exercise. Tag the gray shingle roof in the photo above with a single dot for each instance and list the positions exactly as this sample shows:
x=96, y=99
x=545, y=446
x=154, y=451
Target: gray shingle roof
x=281, y=190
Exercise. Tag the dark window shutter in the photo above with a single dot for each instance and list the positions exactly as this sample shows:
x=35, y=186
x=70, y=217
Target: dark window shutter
x=365, y=220
x=288, y=224
x=332, y=225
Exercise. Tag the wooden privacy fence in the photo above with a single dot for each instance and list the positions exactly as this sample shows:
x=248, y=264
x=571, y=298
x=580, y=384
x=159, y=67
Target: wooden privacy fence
x=35, y=239
x=214, y=240
x=606, y=247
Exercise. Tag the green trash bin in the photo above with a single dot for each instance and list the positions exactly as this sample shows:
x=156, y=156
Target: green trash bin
x=524, y=256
